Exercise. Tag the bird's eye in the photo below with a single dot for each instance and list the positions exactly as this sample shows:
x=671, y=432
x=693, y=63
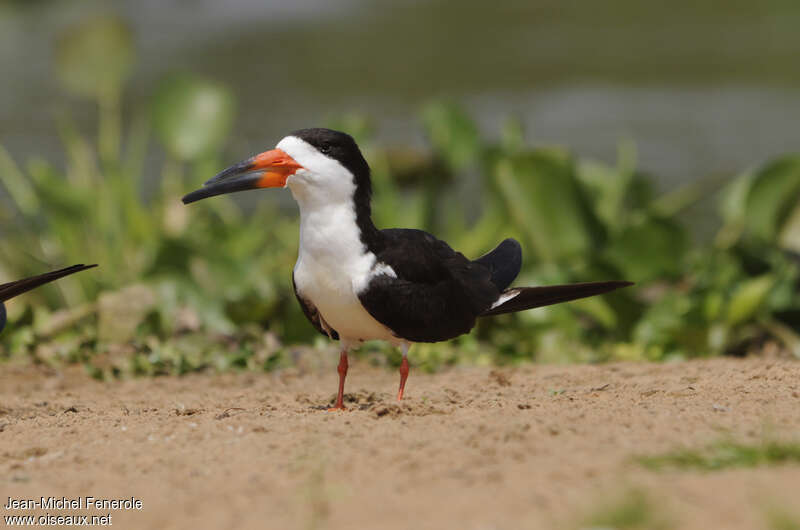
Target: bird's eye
x=325, y=149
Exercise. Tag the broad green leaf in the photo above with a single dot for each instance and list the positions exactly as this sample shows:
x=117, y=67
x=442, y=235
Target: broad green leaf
x=749, y=298
x=773, y=195
x=545, y=202
x=732, y=208
x=651, y=249
x=733, y=200
x=608, y=188
x=192, y=116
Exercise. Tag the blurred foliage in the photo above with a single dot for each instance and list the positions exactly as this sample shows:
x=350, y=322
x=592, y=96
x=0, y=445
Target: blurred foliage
x=779, y=518
x=182, y=289
x=631, y=510
x=726, y=454
x=192, y=116
x=95, y=58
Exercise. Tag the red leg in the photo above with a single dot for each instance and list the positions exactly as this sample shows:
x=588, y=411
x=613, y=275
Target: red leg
x=403, y=377
x=342, y=374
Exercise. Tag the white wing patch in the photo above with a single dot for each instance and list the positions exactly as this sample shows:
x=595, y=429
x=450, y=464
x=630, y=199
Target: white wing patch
x=382, y=268
x=505, y=297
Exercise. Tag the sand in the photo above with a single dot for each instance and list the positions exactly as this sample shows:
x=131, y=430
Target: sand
x=470, y=448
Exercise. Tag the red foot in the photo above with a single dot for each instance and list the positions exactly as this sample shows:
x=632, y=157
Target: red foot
x=403, y=377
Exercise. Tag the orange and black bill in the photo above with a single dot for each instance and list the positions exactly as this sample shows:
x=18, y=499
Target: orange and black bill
x=270, y=169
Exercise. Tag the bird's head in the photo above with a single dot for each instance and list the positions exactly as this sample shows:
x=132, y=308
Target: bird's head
x=316, y=164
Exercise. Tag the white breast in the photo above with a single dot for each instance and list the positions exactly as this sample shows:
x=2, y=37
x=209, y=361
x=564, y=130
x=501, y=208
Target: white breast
x=332, y=267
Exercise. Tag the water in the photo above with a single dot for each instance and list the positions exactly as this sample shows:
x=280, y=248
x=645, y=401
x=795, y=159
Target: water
x=701, y=90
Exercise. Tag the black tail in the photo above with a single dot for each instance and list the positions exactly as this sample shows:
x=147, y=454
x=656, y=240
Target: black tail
x=522, y=298
x=12, y=289
x=504, y=263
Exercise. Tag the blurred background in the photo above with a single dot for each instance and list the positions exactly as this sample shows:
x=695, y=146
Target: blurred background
x=634, y=140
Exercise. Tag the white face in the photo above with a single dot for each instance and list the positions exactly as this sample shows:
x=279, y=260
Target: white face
x=321, y=179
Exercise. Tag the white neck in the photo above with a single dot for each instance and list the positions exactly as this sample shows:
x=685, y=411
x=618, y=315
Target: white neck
x=329, y=231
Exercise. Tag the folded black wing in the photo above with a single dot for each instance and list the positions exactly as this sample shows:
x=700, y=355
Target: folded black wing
x=435, y=294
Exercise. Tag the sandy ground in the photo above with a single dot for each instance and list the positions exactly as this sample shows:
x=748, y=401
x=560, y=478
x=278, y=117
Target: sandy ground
x=470, y=448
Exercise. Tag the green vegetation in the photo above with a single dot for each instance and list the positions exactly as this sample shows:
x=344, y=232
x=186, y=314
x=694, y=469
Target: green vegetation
x=633, y=511
x=726, y=454
x=781, y=519
x=183, y=289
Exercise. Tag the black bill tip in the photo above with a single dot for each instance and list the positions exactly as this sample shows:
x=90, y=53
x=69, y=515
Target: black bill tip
x=196, y=195
x=239, y=177
x=229, y=184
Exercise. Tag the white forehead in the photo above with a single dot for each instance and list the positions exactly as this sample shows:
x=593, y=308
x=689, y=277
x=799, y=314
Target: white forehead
x=313, y=160
x=297, y=148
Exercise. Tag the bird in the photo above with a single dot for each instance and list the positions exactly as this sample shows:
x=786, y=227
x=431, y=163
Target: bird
x=12, y=289
x=355, y=282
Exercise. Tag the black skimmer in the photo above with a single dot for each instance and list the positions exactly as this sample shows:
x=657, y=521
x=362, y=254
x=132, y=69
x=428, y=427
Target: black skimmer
x=356, y=282
x=12, y=289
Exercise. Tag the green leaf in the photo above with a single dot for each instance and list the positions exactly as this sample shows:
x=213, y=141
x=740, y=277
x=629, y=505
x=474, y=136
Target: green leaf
x=597, y=308
x=733, y=200
x=453, y=133
x=17, y=184
x=775, y=192
x=733, y=208
x=664, y=320
x=192, y=116
x=749, y=298
x=544, y=201
x=95, y=57
x=789, y=237
x=650, y=249
x=608, y=187
x=513, y=135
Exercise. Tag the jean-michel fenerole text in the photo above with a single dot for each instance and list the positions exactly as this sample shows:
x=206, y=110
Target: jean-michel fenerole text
x=76, y=503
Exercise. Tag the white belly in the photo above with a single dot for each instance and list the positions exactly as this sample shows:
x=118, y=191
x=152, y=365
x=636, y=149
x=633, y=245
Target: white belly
x=332, y=287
